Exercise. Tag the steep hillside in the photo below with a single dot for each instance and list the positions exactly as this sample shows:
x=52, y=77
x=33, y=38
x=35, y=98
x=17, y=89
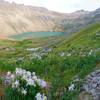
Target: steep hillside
x=82, y=22
x=88, y=38
x=17, y=19
x=75, y=58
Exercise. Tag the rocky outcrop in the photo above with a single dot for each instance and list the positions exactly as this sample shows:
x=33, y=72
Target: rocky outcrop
x=92, y=84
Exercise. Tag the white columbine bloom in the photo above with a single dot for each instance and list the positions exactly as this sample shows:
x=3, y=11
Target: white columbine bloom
x=30, y=82
x=34, y=78
x=12, y=76
x=40, y=97
x=8, y=73
x=15, y=84
x=19, y=71
x=41, y=83
x=28, y=74
x=24, y=91
x=44, y=97
x=33, y=73
x=71, y=87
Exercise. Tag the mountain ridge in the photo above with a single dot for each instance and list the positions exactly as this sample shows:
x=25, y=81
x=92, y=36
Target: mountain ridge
x=19, y=18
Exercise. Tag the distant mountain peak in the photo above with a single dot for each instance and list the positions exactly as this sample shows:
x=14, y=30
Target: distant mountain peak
x=98, y=9
x=82, y=11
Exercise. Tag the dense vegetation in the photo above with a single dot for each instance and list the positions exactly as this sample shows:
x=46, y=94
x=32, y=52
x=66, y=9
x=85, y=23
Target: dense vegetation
x=74, y=57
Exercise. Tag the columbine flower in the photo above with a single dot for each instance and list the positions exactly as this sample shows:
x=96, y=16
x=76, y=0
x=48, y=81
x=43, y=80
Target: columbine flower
x=71, y=87
x=25, y=77
x=44, y=97
x=40, y=97
x=15, y=84
x=30, y=82
x=41, y=83
x=28, y=78
x=24, y=91
x=19, y=71
x=28, y=74
x=33, y=73
x=24, y=72
x=34, y=78
x=8, y=73
x=12, y=76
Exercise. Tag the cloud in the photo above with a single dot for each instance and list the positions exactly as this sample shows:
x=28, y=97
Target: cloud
x=62, y=5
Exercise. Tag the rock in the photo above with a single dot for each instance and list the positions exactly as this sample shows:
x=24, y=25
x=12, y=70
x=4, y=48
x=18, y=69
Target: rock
x=86, y=87
x=93, y=74
x=88, y=80
x=97, y=71
x=98, y=82
x=89, y=77
x=95, y=78
x=93, y=92
x=92, y=84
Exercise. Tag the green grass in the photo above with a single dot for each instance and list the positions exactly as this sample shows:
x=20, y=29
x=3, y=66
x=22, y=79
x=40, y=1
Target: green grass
x=58, y=71
x=84, y=38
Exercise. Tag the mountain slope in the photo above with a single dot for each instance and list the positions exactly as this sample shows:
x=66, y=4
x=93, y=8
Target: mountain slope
x=17, y=19
x=88, y=38
x=82, y=22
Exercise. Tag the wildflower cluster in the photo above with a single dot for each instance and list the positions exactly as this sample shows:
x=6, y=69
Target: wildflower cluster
x=27, y=84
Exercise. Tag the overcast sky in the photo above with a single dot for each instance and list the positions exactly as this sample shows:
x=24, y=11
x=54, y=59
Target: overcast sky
x=66, y=6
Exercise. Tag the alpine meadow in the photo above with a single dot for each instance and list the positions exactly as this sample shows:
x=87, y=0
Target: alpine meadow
x=48, y=55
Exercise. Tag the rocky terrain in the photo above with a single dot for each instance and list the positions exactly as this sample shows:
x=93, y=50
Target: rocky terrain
x=15, y=19
x=92, y=86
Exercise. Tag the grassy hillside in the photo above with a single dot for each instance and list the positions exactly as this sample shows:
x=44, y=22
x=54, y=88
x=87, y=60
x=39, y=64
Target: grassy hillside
x=74, y=57
x=82, y=47
x=89, y=37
